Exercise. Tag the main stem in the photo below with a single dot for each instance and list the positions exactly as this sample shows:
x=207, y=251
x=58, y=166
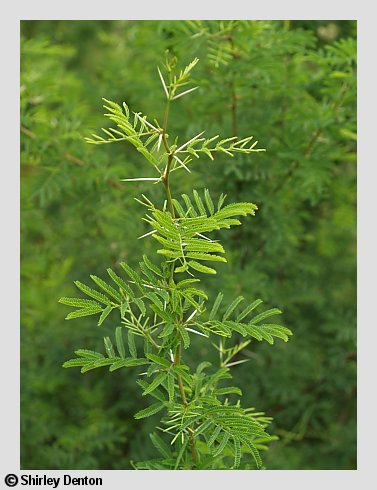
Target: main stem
x=167, y=187
x=177, y=354
x=177, y=360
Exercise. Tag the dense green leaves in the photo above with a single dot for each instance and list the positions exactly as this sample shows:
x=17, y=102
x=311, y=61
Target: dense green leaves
x=134, y=132
x=293, y=87
x=162, y=303
x=231, y=322
x=96, y=362
x=182, y=237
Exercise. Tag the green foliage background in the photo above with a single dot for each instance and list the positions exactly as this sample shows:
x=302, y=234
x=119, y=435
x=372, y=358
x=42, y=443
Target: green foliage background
x=292, y=84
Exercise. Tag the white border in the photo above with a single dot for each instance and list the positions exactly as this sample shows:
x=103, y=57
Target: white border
x=367, y=243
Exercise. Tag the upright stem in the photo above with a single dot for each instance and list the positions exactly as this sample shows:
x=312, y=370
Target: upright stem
x=167, y=187
x=165, y=177
x=177, y=356
x=166, y=115
x=177, y=360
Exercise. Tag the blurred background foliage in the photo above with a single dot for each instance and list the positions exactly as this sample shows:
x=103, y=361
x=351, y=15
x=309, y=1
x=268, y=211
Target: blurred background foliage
x=292, y=84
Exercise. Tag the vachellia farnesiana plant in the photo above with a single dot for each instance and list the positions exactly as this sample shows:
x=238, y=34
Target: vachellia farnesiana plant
x=163, y=304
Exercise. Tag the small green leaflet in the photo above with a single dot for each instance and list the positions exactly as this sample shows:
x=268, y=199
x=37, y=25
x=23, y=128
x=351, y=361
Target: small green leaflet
x=237, y=452
x=224, y=441
x=203, y=427
x=104, y=315
x=167, y=330
x=141, y=305
x=248, y=309
x=159, y=360
x=215, y=306
x=160, y=445
x=156, y=270
x=90, y=354
x=127, y=362
x=155, y=383
x=199, y=203
x=229, y=390
x=185, y=337
x=170, y=386
x=232, y=307
x=83, y=312
x=157, y=393
x=254, y=451
x=151, y=410
x=120, y=283
x=201, y=268
x=209, y=202
x=97, y=364
x=119, y=341
x=214, y=435
x=79, y=303
x=107, y=288
x=92, y=293
x=78, y=362
x=131, y=344
x=109, y=347
x=265, y=314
